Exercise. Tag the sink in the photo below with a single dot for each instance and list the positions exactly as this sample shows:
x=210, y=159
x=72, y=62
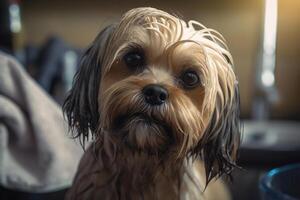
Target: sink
x=270, y=142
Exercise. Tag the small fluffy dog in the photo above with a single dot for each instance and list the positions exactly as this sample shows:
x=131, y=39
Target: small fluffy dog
x=160, y=99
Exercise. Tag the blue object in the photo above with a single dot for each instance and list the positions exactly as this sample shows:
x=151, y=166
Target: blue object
x=281, y=183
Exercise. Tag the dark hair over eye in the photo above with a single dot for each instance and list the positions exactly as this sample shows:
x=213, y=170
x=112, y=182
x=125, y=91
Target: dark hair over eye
x=134, y=60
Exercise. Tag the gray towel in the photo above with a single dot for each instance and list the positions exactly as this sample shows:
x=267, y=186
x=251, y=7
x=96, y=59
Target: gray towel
x=36, y=153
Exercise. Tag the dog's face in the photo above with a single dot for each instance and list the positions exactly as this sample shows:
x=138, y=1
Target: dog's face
x=159, y=86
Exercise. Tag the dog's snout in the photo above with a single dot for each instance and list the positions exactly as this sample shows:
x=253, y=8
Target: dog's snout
x=155, y=94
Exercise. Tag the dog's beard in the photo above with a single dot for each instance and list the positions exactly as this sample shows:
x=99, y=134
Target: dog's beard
x=172, y=127
x=144, y=133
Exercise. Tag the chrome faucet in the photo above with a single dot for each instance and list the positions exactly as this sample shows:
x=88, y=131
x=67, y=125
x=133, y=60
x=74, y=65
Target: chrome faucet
x=267, y=93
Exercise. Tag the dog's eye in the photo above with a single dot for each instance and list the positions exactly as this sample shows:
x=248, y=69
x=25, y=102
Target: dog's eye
x=190, y=79
x=134, y=60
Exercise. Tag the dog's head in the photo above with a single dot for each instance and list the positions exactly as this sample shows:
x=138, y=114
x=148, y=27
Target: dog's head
x=159, y=85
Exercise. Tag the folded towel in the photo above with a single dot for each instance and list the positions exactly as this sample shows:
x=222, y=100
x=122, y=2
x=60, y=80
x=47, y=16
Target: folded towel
x=36, y=153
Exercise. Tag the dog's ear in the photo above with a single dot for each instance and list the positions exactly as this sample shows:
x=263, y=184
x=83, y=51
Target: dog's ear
x=219, y=145
x=81, y=104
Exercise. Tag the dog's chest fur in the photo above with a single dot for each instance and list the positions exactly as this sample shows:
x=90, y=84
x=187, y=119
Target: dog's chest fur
x=99, y=180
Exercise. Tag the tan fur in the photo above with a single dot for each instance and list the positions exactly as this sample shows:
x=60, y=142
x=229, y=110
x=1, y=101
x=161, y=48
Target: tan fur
x=145, y=164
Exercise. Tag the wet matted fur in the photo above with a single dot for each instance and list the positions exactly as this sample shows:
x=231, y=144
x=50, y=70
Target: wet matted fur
x=166, y=151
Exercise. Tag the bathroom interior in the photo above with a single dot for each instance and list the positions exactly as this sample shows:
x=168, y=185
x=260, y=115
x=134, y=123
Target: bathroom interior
x=48, y=37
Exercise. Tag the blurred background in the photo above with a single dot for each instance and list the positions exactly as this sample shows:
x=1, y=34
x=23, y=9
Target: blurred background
x=47, y=37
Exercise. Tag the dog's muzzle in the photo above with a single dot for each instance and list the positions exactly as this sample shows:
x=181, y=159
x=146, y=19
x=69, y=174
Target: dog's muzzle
x=155, y=94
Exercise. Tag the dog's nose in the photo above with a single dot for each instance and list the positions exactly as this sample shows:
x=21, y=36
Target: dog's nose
x=155, y=94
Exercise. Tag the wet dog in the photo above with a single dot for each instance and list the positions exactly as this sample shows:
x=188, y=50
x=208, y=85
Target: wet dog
x=159, y=97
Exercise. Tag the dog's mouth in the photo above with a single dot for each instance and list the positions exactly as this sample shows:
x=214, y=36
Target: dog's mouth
x=142, y=132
